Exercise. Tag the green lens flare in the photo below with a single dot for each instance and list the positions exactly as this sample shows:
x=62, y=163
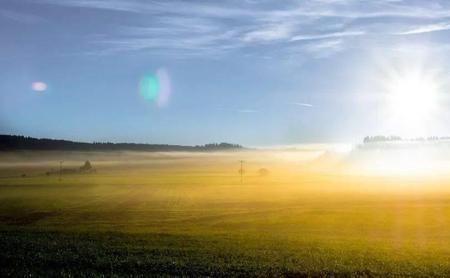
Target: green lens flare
x=150, y=87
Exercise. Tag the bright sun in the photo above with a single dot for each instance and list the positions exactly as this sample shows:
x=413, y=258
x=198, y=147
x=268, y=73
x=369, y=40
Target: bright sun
x=412, y=102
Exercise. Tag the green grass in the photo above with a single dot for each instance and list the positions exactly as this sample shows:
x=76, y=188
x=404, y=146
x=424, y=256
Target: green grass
x=188, y=215
x=56, y=253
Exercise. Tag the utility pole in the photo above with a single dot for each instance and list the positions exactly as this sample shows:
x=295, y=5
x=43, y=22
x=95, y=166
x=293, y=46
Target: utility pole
x=60, y=169
x=241, y=170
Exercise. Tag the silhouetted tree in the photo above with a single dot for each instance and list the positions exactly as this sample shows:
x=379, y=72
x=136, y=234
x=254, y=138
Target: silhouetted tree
x=86, y=167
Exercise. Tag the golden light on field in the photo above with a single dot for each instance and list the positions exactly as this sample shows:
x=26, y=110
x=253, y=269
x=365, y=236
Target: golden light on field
x=401, y=163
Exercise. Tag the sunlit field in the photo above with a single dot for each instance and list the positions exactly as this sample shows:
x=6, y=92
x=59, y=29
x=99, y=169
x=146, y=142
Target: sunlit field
x=171, y=138
x=306, y=214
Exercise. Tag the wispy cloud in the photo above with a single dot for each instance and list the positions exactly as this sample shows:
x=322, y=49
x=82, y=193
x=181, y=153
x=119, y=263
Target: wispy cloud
x=320, y=27
x=113, y=5
x=156, y=7
x=324, y=48
x=327, y=35
x=269, y=33
x=426, y=29
x=183, y=43
x=302, y=104
x=312, y=8
x=20, y=17
x=247, y=111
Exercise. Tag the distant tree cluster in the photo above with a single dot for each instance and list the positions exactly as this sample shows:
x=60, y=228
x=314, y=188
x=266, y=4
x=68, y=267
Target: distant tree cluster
x=13, y=142
x=86, y=168
x=219, y=146
x=381, y=138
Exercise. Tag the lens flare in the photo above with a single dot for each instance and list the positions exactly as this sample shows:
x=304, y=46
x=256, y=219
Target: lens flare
x=39, y=86
x=156, y=87
x=150, y=87
x=165, y=87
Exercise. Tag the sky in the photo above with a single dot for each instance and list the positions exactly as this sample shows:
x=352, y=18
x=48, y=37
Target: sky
x=250, y=72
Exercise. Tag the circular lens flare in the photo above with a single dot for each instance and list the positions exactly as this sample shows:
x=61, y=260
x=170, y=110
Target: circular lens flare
x=150, y=87
x=39, y=86
x=156, y=87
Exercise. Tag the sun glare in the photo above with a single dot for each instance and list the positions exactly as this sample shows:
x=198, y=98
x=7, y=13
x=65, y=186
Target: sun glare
x=412, y=102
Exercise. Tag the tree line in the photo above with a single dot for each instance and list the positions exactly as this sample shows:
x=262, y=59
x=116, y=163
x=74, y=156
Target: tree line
x=15, y=142
x=381, y=138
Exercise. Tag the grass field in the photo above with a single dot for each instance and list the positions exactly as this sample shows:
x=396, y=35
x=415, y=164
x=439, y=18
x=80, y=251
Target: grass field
x=167, y=214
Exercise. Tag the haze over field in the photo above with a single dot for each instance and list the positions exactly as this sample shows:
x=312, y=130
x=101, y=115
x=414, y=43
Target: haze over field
x=308, y=213
x=236, y=138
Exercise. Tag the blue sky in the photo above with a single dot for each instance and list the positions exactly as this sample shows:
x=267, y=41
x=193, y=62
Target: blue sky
x=249, y=72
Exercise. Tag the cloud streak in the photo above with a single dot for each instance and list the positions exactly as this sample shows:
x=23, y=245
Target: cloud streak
x=20, y=17
x=313, y=8
x=426, y=29
x=327, y=36
x=318, y=27
x=247, y=111
x=303, y=104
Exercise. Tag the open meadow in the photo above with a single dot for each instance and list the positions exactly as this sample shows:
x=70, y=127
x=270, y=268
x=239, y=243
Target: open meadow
x=234, y=138
x=188, y=214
